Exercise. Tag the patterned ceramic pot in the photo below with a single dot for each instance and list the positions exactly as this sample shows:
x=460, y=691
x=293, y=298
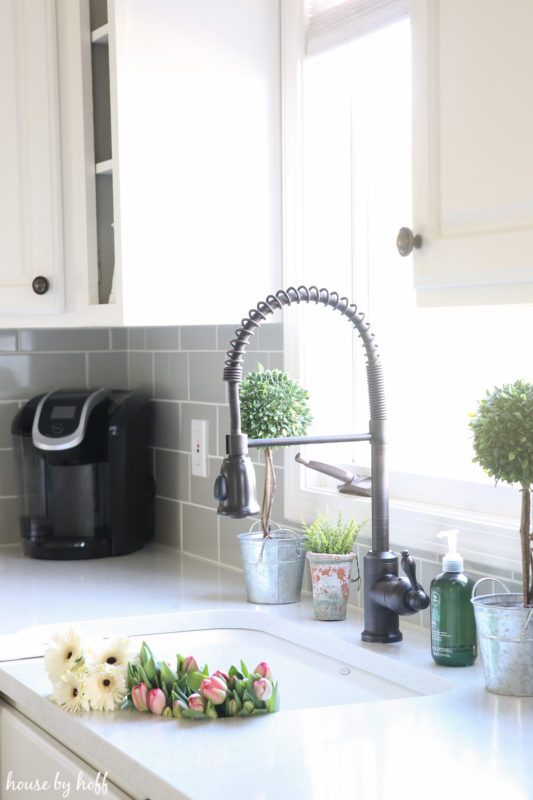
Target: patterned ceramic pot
x=331, y=577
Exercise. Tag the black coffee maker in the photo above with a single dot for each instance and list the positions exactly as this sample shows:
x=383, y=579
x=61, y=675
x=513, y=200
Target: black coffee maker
x=83, y=471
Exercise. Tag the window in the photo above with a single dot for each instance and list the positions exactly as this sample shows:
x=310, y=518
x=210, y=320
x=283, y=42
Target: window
x=347, y=191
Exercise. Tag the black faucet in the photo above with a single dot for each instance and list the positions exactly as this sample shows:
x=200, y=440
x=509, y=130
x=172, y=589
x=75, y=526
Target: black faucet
x=386, y=596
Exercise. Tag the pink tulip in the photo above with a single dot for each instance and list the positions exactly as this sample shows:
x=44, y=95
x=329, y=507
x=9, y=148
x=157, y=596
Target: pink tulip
x=190, y=664
x=214, y=689
x=262, y=688
x=263, y=670
x=220, y=674
x=156, y=701
x=139, y=695
x=196, y=702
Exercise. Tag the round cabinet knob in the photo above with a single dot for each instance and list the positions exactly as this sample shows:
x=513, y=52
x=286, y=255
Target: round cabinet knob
x=405, y=241
x=40, y=284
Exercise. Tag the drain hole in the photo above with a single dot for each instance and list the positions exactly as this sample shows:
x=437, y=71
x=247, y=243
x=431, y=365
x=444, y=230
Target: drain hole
x=344, y=671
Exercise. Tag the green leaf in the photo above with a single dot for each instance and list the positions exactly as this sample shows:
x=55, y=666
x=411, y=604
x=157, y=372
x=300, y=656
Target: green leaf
x=240, y=687
x=324, y=536
x=177, y=694
x=168, y=676
x=249, y=693
x=194, y=680
x=189, y=713
x=150, y=670
x=234, y=672
x=133, y=675
x=145, y=679
x=272, y=703
x=145, y=654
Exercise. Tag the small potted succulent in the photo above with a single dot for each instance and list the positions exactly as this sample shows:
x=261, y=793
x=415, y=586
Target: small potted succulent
x=272, y=405
x=329, y=547
x=502, y=430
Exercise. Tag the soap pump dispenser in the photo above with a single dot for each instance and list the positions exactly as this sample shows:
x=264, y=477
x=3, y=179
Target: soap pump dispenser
x=453, y=627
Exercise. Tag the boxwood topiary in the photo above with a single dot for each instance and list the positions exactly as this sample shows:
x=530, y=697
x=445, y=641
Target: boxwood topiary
x=503, y=444
x=273, y=405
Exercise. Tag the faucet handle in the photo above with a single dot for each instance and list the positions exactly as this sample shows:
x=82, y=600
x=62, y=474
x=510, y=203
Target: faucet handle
x=417, y=598
x=409, y=567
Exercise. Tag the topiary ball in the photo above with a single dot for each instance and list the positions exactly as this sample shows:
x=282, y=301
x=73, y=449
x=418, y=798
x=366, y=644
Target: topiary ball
x=503, y=433
x=273, y=405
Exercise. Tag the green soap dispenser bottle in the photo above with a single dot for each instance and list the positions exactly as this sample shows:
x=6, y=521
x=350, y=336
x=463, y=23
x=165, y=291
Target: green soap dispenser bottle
x=453, y=627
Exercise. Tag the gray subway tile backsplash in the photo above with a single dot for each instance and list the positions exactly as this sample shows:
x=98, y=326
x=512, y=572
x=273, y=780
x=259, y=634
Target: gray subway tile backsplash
x=7, y=412
x=271, y=336
x=8, y=341
x=23, y=375
x=8, y=487
x=167, y=522
x=164, y=338
x=141, y=372
x=107, y=369
x=206, y=370
x=166, y=424
x=50, y=339
x=199, y=337
x=9, y=520
x=170, y=475
x=199, y=535
x=136, y=338
x=119, y=338
x=171, y=370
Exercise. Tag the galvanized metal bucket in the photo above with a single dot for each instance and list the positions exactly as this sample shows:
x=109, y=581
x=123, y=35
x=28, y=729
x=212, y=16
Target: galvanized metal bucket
x=505, y=634
x=273, y=565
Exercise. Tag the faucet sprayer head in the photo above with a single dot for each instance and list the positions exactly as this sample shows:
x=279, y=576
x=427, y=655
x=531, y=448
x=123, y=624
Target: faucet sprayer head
x=235, y=486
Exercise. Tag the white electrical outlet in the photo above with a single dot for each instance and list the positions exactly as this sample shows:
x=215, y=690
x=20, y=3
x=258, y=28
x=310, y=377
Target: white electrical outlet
x=199, y=447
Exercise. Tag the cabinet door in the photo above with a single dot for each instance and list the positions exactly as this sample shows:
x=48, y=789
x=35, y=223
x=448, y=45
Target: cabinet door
x=30, y=188
x=472, y=151
x=33, y=763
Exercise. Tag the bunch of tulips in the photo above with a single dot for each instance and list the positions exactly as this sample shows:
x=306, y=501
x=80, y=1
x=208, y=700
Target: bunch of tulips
x=193, y=693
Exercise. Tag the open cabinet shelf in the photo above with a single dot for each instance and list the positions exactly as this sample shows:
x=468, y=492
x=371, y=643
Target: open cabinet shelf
x=102, y=291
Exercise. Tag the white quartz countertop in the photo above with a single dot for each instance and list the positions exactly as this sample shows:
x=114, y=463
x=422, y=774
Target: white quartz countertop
x=460, y=742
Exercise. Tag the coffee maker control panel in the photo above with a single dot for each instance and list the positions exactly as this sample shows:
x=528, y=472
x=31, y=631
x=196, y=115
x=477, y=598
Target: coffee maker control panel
x=61, y=417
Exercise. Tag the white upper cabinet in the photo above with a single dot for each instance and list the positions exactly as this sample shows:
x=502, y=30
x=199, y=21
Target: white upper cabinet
x=31, y=233
x=473, y=151
x=169, y=135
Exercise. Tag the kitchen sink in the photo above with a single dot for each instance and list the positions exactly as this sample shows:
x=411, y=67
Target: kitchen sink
x=314, y=669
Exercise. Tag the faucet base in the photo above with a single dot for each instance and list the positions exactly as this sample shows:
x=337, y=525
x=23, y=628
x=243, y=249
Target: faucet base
x=381, y=624
x=381, y=638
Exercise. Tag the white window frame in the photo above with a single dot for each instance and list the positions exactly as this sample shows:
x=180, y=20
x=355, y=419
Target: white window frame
x=487, y=538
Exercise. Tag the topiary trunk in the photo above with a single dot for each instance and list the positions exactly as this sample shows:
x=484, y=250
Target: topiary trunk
x=269, y=491
x=526, y=540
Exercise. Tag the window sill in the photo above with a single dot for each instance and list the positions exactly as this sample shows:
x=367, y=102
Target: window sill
x=484, y=539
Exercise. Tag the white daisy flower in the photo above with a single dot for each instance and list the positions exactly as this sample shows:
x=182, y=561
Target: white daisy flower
x=65, y=653
x=69, y=692
x=105, y=688
x=113, y=652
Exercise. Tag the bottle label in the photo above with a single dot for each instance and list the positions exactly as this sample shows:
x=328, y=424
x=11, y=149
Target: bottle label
x=448, y=643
